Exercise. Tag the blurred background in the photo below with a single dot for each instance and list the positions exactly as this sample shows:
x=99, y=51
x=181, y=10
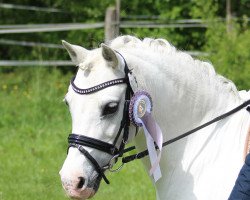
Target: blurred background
x=35, y=71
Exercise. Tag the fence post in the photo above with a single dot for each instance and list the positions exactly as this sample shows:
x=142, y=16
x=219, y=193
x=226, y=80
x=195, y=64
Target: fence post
x=229, y=16
x=118, y=7
x=112, y=20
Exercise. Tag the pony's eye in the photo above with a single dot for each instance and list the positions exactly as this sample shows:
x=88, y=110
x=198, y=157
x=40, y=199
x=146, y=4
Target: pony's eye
x=110, y=108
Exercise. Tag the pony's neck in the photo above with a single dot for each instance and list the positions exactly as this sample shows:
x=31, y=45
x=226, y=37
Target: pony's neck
x=186, y=93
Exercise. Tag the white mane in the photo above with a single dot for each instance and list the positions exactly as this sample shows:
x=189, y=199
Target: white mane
x=165, y=49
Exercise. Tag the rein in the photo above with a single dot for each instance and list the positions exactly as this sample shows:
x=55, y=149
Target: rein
x=145, y=152
x=79, y=141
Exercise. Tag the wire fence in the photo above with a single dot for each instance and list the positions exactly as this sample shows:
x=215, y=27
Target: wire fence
x=31, y=28
x=30, y=44
x=28, y=63
x=132, y=21
x=49, y=27
x=33, y=8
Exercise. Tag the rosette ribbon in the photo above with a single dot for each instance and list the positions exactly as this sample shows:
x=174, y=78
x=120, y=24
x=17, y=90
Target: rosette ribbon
x=140, y=114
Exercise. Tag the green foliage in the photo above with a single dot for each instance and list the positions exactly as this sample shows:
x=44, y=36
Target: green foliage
x=186, y=39
x=230, y=53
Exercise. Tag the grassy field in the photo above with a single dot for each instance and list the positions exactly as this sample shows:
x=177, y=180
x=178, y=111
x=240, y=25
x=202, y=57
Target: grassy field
x=34, y=124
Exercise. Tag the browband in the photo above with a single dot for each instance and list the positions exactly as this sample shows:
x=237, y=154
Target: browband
x=97, y=87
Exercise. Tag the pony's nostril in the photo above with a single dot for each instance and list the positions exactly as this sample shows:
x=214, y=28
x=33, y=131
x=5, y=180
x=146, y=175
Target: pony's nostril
x=81, y=182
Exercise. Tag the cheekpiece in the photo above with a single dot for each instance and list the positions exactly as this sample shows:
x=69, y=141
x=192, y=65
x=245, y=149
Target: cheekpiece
x=140, y=104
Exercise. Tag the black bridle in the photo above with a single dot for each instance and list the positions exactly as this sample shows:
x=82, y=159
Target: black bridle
x=80, y=141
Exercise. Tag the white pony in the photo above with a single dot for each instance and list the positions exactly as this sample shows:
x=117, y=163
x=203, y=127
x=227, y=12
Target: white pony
x=186, y=93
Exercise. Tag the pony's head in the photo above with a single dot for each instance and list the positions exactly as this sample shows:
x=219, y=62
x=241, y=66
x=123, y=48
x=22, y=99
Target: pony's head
x=96, y=115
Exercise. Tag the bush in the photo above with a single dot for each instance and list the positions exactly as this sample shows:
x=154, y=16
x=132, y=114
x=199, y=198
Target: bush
x=230, y=53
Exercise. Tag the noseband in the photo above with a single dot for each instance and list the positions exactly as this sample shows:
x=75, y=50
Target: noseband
x=81, y=141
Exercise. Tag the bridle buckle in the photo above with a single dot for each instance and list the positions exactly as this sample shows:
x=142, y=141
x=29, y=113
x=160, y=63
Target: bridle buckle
x=111, y=163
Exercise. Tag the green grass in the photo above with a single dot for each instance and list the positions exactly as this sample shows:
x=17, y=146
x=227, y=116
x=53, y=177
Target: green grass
x=34, y=124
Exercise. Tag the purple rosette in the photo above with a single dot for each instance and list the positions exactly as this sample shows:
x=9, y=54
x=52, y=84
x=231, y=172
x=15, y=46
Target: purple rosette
x=140, y=103
x=140, y=109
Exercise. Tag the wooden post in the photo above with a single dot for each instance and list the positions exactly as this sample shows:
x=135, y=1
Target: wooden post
x=110, y=28
x=228, y=16
x=118, y=6
x=112, y=21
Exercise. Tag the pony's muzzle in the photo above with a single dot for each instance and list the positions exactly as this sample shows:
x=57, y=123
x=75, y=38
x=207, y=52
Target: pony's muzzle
x=77, y=188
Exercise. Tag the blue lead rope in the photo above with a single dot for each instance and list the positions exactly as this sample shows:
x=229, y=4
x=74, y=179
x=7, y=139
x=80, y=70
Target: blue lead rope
x=241, y=190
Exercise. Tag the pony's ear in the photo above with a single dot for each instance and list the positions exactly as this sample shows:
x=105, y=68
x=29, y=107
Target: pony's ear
x=110, y=56
x=76, y=53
